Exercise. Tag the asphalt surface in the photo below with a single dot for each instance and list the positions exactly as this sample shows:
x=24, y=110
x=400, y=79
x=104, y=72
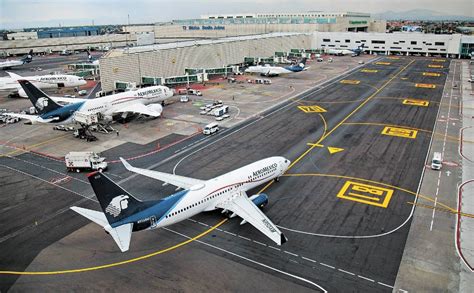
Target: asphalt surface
x=48, y=64
x=335, y=243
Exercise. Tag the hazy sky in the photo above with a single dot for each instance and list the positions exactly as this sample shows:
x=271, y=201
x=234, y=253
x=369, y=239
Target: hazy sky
x=33, y=13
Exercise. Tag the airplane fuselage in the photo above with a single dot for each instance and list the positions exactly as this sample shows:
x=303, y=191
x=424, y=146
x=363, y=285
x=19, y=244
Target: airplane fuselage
x=109, y=104
x=204, y=197
x=42, y=82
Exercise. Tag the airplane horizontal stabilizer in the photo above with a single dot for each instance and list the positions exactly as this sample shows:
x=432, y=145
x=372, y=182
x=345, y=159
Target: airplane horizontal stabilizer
x=122, y=235
x=95, y=216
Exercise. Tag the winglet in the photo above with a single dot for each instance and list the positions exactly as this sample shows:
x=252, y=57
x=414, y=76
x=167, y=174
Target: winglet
x=14, y=75
x=283, y=239
x=126, y=164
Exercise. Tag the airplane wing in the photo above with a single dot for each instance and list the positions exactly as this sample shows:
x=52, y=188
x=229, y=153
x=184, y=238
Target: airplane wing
x=138, y=108
x=176, y=180
x=32, y=118
x=243, y=207
x=64, y=100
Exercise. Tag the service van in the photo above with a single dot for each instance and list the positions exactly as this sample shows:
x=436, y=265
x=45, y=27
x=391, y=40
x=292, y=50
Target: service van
x=210, y=128
x=437, y=161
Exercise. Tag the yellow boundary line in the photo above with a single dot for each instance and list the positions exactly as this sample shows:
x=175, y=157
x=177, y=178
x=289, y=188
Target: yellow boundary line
x=120, y=262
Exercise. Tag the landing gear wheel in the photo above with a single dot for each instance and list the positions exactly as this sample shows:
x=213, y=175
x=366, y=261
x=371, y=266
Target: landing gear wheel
x=277, y=179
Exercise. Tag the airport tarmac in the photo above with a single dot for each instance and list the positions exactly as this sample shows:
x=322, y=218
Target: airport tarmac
x=358, y=145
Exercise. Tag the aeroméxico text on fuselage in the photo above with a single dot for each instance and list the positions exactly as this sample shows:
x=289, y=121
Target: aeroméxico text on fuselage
x=277, y=70
x=122, y=213
x=141, y=101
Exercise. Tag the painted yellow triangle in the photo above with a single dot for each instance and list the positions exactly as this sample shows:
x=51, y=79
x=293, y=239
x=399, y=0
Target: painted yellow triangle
x=333, y=150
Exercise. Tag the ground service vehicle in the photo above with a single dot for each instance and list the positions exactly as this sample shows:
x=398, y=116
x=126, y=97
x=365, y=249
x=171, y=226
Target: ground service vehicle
x=437, y=161
x=211, y=128
x=221, y=111
x=78, y=161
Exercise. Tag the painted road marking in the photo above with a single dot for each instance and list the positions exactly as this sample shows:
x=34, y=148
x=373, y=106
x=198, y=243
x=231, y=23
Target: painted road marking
x=416, y=102
x=431, y=74
x=315, y=145
x=382, y=63
x=435, y=66
x=312, y=109
x=365, y=193
x=401, y=132
x=426, y=85
x=439, y=60
x=369, y=70
x=350, y=81
x=394, y=58
x=333, y=150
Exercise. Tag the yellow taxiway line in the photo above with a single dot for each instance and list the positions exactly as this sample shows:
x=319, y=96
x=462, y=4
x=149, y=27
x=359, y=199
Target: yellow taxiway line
x=28, y=148
x=326, y=134
x=88, y=269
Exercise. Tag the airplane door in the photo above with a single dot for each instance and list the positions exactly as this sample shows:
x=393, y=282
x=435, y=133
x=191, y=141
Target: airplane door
x=152, y=222
x=61, y=84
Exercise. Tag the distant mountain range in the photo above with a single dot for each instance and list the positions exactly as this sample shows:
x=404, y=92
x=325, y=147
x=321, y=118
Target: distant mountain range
x=420, y=14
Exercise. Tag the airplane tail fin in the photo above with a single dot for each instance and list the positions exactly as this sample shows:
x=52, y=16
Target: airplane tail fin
x=41, y=101
x=89, y=56
x=116, y=203
x=28, y=58
x=302, y=63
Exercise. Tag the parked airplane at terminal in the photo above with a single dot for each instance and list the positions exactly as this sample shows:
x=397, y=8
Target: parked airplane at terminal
x=340, y=52
x=13, y=63
x=140, y=101
x=41, y=81
x=91, y=59
x=277, y=70
x=122, y=213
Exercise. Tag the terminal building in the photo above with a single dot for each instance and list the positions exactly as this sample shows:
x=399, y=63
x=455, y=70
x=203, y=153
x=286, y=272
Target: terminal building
x=455, y=45
x=225, y=25
x=155, y=64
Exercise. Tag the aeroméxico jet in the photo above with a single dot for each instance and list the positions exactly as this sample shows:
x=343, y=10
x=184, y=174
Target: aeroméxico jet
x=340, y=52
x=91, y=59
x=123, y=214
x=277, y=70
x=41, y=81
x=140, y=101
x=14, y=63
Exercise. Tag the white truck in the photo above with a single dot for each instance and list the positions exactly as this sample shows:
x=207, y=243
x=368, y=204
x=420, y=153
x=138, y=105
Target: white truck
x=220, y=111
x=78, y=161
x=437, y=161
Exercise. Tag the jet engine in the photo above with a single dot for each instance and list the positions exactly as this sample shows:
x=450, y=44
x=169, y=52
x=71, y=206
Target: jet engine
x=156, y=108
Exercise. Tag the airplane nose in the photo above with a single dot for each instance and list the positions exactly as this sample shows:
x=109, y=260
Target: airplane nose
x=286, y=164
